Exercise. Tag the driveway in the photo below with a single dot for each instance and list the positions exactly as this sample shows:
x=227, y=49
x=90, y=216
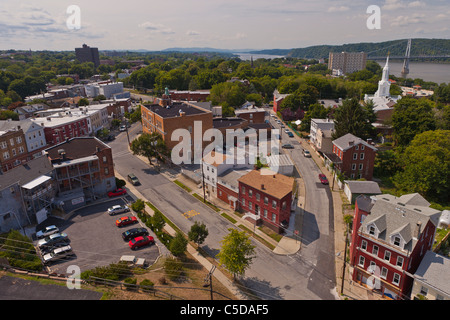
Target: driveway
x=96, y=240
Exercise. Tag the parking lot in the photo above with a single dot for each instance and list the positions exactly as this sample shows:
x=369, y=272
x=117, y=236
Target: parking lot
x=95, y=238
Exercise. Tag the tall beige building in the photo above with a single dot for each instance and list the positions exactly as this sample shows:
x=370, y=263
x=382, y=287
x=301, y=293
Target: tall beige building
x=347, y=62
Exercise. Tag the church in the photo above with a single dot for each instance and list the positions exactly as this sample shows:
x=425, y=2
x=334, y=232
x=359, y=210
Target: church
x=382, y=99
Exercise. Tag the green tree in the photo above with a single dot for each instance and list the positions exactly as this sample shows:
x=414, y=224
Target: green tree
x=411, y=117
x=149, y=146
x=198, y=233
x=316, y=111
x=237, y=252
x=426, y=166
x=83, y=102
x=178, y=245
x=352, y=118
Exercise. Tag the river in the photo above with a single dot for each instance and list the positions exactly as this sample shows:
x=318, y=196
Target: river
x=435, y=72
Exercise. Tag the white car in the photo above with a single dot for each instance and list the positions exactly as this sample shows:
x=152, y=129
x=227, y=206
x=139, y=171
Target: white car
x=52, y=239
x=58, y=253
x=117, y=209
x=47, y=231
x=123, y=128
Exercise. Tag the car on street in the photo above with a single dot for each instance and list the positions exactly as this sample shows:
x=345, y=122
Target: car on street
x=133, y=233
x=58, y=253
x=117, y=192
x=306, y=153
x=287, y=146
x=290, y=134
x=139, y=242
x=117, y=209
x=286, y=130
x=133, y=179
x=47, y=231
x=52, y=239
x=323, y=179
x=123, y=128
x=124, y=221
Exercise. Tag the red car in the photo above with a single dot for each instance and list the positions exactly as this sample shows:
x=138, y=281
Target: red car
x=124, y=221
x=117, y=192
x=140, y=242
x=323, y=179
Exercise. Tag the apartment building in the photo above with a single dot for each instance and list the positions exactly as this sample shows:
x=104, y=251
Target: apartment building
x=390, y=237
x=13, y=149
x=347, y=62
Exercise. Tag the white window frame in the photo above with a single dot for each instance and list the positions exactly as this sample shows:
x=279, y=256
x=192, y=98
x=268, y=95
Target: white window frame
x=364, y=244
x=361, y=261
x=396, y=279
x=388, y=255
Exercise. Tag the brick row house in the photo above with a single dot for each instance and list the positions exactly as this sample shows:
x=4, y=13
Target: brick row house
x=390, y=237
x=266, y=197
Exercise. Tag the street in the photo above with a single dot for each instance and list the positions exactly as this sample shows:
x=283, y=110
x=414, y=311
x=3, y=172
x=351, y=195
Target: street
x=308, y=274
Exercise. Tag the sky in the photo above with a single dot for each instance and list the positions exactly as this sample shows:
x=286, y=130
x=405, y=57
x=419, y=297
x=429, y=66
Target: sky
x=224, y=24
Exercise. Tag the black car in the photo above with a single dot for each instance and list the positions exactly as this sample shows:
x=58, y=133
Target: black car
x=287, y=146
x=133, y=233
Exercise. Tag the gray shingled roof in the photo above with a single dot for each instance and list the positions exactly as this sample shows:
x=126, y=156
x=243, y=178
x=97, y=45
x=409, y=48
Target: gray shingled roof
x=434, y=271
x=349, y=140
x=26, y=173
x=392, y=215
x=364, y=187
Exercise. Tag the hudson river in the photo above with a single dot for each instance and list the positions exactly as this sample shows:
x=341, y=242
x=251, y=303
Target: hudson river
x=435, y=72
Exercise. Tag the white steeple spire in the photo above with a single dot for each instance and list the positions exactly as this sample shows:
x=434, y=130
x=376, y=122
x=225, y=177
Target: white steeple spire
x=384, y=84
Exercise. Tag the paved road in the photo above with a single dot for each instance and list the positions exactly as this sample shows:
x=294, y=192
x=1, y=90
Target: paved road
x=270, y=276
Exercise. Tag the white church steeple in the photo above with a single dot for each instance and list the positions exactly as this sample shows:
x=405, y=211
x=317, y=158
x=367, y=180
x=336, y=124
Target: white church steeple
x=384, y=84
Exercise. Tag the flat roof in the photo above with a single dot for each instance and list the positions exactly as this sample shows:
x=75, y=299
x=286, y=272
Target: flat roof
x=174, y=110
x=34, y=183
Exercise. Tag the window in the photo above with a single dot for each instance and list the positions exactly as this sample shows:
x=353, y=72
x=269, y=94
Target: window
x=250, y=205
x=400, y=261
x=360, y=167
x=11, y=141
x=104, y=159
x=384, y=272
x=375, y=250
x=396, y=279
x=4, y=145
x=220, y=193
x=284, y=205
x=265, y=213
x=266, y=200
x=6, y=155
x=362, y=147
x=274, y=217
x=257, y=196
x=250, y=192
x=355, y=156
x=361, y=261
x=361, y=156
x=364, y=245
x=243, y=190
x=353, y=166
x=397, y=241
x=372, y=230
x=19, y=139
x=387, y=256
x=274, y=204
x=243, y=202
x=106, y=171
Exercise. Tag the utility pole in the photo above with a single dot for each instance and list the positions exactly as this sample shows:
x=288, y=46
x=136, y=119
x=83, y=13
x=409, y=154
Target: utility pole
x=345, y=257
x=208, y=281
x=203, y=184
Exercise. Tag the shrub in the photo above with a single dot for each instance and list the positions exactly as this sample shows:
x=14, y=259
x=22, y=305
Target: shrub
x=173, y=268
x=146, y=285
x=129, y=283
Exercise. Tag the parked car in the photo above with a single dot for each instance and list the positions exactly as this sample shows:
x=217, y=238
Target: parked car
x=323, y=179
x=306, y=153
x=117, y=192
x=58, y=253
x=286, y=130
x=124, y=221
x=139, y=242
x=133, y=179
x=287, y=146
x=290, y=134
x=123, y=128
x=44, y=250
x=47, y=231
x=117, y=209
x=133, y=233
x=52, y=239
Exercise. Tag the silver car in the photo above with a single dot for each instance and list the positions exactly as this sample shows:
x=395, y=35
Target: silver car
x=52, y=239
x=47, y=231
x=117, y=209
x=58, y=253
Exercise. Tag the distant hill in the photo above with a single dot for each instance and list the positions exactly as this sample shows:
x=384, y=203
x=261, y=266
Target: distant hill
x=395, y=47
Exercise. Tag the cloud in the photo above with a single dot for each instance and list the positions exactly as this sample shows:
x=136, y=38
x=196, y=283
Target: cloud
x=156, y=28
x=338, y=9
x=402, y=21
x=398, y=4
x=192, y=33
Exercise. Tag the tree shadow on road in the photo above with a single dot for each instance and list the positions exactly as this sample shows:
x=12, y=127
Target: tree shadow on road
x=257, y=289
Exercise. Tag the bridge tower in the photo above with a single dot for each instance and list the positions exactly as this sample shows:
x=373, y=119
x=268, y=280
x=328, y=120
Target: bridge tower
x=405, y=69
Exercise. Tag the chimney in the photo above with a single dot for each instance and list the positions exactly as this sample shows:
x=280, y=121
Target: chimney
x=262, y=187
x=418, y=229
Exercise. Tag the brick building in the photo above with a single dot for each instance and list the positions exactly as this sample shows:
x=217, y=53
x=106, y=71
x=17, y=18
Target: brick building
x=277, y=100
x=353, y=157
x=13, y=149
x=251, y=113
x=198, y=95
x=84, y=170
x=60, y=128
x=168, y=116
x=266, y=197
x=390, y=237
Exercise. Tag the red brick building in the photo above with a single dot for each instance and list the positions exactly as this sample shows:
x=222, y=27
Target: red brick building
x=389, y=239
x=199, y=95
x=266, y=197
x=59, y=129
x=277, y=100
x=13, y=149
x=353, y=157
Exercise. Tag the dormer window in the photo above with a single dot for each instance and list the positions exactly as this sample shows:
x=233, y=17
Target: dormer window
x=397, y=241
x=372, y=230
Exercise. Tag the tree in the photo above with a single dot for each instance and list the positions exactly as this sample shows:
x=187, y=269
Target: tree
x=198, y=233
x=426, y=166
x=352, y=118
x=411, y=117
x=149, y=146
x=316, y=111
x=178, y=244
x=237, y=252
x=83, y=102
